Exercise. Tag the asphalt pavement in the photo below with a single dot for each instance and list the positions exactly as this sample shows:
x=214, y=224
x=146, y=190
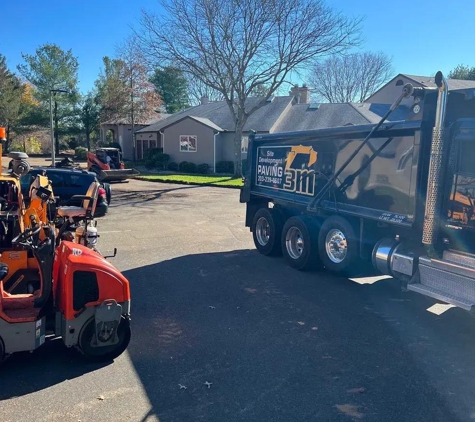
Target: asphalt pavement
x=221, y=333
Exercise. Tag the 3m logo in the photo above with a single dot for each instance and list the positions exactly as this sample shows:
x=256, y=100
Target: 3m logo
x=299, y=177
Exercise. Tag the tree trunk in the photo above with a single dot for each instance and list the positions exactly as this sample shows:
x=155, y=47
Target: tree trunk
x=56, y=134
x=8, y=141
x=88, y=140
x=237, y=147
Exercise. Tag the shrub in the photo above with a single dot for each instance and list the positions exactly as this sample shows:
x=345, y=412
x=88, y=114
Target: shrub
x=154, y=157
x=161, y=161
x=80, y=153
x=187, y=167
x=173, y=166
x=225, y=167
x=182, y=166
x=202, y=168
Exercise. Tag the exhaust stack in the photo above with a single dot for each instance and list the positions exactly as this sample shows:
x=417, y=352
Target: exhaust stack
x=436, y=169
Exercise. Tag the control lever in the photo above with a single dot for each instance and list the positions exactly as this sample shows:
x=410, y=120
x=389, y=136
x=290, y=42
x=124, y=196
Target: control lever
x=111, y=256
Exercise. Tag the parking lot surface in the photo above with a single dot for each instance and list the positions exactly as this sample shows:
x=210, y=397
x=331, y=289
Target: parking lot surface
x=221, y=333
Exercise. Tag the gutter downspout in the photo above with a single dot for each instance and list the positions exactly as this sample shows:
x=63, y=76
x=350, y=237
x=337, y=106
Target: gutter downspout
x=214, y=151
x=435, y=181
x=162, y=136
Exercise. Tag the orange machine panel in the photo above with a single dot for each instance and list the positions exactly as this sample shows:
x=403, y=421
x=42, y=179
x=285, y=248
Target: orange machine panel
x=73, y=257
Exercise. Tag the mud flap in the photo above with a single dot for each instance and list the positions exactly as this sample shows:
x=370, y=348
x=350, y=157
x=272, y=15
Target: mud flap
x=107, y=320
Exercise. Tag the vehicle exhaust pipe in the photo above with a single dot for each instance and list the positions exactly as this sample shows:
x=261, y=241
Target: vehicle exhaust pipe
x=435, y=180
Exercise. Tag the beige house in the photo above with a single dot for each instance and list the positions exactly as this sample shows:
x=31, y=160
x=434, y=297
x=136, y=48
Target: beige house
x=205, y=133
x=391, y=90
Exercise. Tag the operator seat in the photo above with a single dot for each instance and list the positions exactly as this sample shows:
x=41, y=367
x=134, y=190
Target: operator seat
x=88, y=207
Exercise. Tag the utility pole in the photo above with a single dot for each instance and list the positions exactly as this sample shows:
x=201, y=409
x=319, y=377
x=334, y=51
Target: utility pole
x=132, y=111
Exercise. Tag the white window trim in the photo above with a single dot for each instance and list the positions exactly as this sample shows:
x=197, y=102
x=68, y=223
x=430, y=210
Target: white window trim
x=196, y=143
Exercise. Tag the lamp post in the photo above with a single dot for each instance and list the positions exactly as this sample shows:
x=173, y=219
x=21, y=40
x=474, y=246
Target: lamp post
x=53, y=158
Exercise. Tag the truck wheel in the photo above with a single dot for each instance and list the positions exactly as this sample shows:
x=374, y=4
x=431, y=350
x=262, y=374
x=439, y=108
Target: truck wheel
x=106, y=353
x=337, y=244
x=266, y=230
x=299, y=244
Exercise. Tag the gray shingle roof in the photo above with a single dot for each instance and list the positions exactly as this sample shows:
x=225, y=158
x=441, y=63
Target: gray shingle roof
x=126, y=120
x=218, y=113
x=203, y=120
x=306, y=117
x=374, y=112
x=428, y=81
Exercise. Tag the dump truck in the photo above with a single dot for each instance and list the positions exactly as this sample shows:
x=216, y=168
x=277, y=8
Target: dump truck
x=396, y=194
x=107, y=163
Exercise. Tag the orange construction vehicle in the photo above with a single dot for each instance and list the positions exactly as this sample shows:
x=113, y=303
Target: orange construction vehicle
x=107, y=163
x=53, y=288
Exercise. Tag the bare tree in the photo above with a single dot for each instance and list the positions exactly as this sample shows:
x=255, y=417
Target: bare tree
x=350, y=78
x=233, y=46
x=143, y=100
x=197, y=89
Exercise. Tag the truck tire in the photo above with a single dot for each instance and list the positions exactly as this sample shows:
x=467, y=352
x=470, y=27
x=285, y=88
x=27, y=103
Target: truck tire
x=266, y=230
x=299, y=244
x=337, y=244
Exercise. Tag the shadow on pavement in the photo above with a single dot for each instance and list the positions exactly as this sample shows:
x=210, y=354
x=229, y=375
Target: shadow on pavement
x=136, y=198
x=51, y=364
x=236, y=336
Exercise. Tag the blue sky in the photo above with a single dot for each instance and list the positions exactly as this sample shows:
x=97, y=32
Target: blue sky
x=421, y=37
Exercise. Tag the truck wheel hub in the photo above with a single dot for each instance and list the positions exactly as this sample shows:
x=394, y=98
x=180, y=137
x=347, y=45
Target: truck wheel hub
x=262, y=231
x=294, y=243
x=336, y=246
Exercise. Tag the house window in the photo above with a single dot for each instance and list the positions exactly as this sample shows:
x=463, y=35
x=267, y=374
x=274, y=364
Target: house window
x=244, y=144
x=188, y=143
x=399, y=82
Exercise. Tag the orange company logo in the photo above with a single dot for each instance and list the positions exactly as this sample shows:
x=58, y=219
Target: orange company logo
x=300, y=149
x=300, y=180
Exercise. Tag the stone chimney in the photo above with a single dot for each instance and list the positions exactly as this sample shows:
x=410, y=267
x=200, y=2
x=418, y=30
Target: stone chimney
x=204, y=100
x=301, y=94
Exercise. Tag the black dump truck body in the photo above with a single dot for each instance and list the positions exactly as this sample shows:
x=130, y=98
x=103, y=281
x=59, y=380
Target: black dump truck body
x=400, y=194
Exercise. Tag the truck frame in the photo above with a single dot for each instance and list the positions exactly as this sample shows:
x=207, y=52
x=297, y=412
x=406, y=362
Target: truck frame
x=398, y=194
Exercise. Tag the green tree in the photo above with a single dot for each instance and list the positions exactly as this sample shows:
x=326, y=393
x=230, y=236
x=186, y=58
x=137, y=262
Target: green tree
x=112, y=90
x=235, y=46
x=52, y=68
x=172, y=87
x=89, y=117
x=462, y=71
x=11, y=91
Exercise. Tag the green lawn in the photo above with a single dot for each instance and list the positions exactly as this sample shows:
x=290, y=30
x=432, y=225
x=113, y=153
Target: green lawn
x=226, y=181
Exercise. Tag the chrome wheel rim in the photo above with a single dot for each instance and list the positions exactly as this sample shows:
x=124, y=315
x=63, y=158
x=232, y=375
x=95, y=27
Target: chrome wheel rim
x=294, y=243
x=263, y=231
x=336, y=246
